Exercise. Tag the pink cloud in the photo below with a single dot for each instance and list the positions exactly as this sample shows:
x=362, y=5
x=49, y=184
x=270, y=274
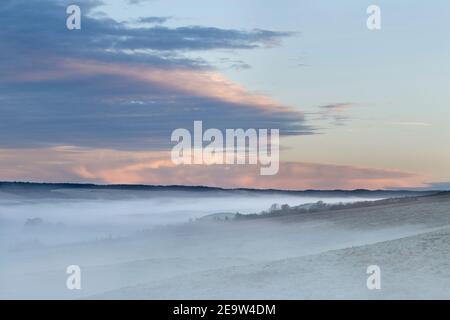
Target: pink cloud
x=71, y=164
x=202, y=83
x=195, y=82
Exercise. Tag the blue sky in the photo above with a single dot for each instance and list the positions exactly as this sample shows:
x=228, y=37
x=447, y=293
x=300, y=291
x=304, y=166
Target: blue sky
x=356, y=108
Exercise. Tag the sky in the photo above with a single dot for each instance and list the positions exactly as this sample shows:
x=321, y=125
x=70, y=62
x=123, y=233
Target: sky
x=356, y=108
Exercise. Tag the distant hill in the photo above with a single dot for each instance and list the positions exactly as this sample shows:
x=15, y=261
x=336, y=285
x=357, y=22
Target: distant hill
x=33, y=187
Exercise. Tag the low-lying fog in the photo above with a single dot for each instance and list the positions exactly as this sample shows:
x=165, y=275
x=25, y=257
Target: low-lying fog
x=74, y=219
x=136, y=244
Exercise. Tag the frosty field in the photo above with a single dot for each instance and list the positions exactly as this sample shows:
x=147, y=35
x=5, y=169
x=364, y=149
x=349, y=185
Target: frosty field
x=156, y=245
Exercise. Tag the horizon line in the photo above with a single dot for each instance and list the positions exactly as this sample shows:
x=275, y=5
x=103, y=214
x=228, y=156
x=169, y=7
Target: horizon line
x=86, y=184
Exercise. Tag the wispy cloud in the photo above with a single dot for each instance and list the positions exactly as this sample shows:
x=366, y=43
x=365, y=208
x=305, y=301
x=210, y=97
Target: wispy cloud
x=153, y=20
x=409, y=123
x=334, y=112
